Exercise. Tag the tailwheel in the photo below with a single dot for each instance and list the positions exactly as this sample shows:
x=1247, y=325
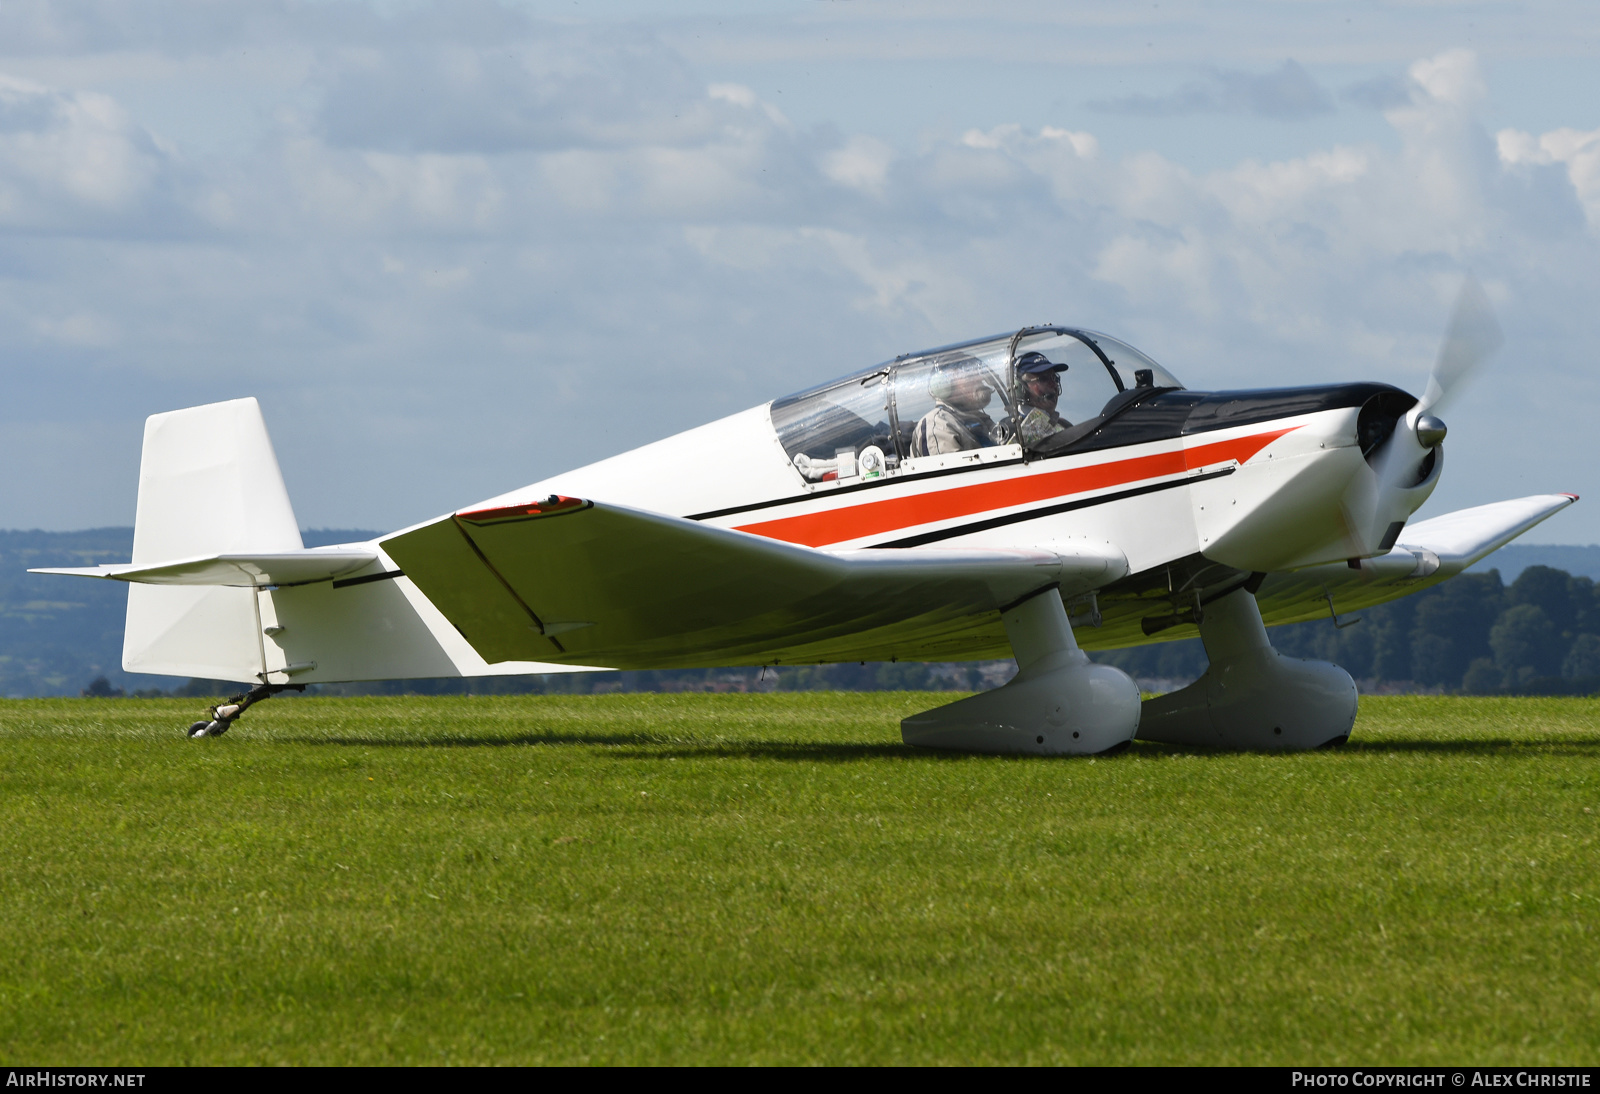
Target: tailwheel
x=223, y=715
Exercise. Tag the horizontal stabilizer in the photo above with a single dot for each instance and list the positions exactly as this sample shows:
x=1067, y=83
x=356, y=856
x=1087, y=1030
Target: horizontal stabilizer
x=244, y=570
x=583, y=583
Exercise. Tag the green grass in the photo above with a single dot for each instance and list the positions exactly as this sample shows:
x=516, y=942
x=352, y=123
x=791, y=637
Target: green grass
x=775, y=878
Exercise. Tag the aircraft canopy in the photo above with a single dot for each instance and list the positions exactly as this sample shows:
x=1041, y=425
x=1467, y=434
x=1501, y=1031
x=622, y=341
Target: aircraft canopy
x=962, y=402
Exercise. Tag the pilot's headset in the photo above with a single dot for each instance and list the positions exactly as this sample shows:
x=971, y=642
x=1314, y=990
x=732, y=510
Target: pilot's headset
x=947, y=374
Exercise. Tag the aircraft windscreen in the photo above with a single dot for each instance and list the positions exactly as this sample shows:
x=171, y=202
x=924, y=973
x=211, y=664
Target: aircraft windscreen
x=1066, y=382
x=1129, y=363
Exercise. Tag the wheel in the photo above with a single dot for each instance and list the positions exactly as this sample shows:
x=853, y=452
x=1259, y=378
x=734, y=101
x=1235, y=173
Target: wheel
x=198, y=729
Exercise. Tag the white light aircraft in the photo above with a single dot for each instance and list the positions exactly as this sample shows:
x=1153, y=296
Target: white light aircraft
x=1036, y=494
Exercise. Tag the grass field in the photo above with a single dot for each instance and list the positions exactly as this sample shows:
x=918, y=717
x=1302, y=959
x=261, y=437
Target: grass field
x=775, y=878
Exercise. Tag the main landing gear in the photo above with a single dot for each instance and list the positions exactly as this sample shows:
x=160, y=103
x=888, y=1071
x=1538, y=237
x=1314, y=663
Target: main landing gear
x=224, y=715
x=1059, y=703
x=1252, y=696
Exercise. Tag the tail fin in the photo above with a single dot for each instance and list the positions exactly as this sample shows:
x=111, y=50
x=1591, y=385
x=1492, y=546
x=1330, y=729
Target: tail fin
x=217, y=554
x=208, y=484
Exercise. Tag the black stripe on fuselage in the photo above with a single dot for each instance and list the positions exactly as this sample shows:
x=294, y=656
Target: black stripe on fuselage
x=853, y=488
x=923, y=538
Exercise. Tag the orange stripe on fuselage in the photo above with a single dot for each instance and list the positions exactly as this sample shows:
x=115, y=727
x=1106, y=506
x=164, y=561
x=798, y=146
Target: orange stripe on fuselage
x=877, y=517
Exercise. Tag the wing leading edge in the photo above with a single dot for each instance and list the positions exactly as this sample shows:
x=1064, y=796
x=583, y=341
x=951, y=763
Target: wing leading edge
x=582, y=583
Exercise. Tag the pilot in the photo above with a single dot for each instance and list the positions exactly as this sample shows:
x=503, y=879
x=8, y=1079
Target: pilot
x=1038, y=389
x=957, y=422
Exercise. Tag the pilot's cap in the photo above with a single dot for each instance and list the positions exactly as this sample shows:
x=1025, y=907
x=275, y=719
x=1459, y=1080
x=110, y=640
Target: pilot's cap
x=1037, y=364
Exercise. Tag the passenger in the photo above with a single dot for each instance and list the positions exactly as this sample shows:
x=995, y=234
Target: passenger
x=1038, y=390
x=957, y=422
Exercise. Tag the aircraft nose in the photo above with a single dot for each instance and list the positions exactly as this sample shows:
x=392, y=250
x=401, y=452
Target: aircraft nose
x=1430, y=431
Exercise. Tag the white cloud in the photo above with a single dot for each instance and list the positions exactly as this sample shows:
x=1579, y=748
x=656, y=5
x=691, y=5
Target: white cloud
x=744, y=97
x=387, y=192
x=1452, y=78
x=1578, y=151
x=73, y=159
x=862, y=162
x=1086, y=145
x=457, y=263
x=545, y=92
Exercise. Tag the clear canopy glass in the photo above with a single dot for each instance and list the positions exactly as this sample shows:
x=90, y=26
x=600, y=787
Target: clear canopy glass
x=923, y=410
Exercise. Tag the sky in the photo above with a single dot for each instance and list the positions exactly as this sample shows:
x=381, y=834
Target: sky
x=454, y=249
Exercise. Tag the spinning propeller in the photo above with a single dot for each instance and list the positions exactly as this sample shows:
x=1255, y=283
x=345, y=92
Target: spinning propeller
x=1407, y=444
x=1470, y=339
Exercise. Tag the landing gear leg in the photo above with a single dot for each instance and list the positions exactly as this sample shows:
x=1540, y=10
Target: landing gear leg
x=224, y=715
x=1059, y=703
x=1251, y=696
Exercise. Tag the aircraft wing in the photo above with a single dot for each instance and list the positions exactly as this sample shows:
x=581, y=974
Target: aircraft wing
x=578, y=582
x=1427, y=553
x=247, y=570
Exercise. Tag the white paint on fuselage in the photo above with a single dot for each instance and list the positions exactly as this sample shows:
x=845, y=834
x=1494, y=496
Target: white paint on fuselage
x=1281, y=507
x=733, y=461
